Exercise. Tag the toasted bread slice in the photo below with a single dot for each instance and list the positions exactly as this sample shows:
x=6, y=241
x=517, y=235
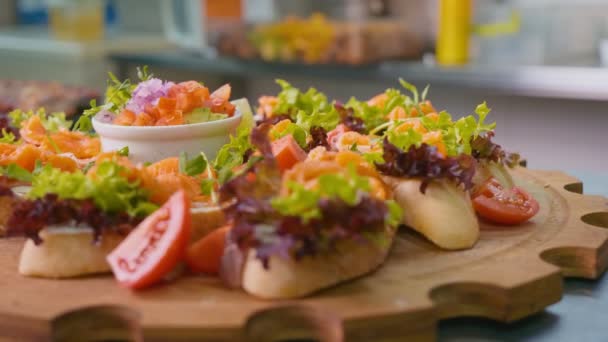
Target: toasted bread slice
x=443, y=214
x=67, y=252
x=288, y=278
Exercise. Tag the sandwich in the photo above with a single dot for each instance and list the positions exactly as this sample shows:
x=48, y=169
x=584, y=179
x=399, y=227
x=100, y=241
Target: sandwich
x=324, y=221
x=73, y=220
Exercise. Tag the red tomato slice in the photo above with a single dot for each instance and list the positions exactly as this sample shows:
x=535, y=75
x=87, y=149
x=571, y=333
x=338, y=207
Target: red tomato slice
x=287, y=152
x=509, y=207
x=205, y=255
x=155, y=246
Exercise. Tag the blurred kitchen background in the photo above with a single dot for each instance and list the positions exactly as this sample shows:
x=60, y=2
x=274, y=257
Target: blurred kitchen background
x=540, y=64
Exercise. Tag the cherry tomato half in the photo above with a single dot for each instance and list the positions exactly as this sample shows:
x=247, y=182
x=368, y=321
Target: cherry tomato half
x=155, y=246
x=504, y=206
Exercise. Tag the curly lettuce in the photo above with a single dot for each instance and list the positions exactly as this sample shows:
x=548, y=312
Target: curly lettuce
x=109, y=189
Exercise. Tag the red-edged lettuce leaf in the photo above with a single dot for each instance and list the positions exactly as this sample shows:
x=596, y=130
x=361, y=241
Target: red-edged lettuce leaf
x=318, y=137
x=258, y=224
x=483, y=148
x=426, y=163
x=348, y=118
x=29, y=217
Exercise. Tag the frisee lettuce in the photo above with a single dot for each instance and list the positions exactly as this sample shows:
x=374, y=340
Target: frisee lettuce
x=306, y=109
x=7, y=137
x=52, y=122
x=457, y=135
x=109, y=189
x=291, y=100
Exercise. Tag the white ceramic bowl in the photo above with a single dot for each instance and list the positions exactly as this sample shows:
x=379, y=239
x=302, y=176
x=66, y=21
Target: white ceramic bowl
x=153, y=143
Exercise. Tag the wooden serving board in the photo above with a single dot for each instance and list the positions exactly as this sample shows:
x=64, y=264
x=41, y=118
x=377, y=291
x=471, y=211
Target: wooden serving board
x=511, y=273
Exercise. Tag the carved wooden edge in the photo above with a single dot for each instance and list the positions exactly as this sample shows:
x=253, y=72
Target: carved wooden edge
x=497, y=299
x=578, y=250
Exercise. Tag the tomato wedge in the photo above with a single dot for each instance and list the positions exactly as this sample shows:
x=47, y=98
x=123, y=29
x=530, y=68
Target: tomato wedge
x=155, y=246
x=287, y=152
x=205, y=255
x=504, y=206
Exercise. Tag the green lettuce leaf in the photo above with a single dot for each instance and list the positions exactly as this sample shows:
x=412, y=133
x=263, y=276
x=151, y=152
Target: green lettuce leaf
x=291, y=100
x=298, y=133
x=328, y=120
x=109, y=190
x=7, y=137
x=232, y=154
x=16, y=172
x=303, y=203
x=300, y=202
x=457, y=135
x=404, y=140
x=123, y=152
x=192, y=167
x=118, y=93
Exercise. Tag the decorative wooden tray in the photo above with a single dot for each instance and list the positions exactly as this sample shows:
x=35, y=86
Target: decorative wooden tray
x=511, y=273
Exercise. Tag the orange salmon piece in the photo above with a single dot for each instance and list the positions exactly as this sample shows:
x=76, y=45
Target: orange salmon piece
x=77, y=143
x=32, y=131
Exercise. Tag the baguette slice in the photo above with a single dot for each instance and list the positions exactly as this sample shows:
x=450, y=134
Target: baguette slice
x=288, y=278
x=444, y=214
x=67, y=252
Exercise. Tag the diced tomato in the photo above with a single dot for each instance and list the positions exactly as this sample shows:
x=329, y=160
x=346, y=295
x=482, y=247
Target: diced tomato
x=504, y=206
x=185, y=102
x=166, y=104
x=190, y=86
x=125, y=118
x=287, y=152
x=334, y=134
x=155, y=246
x=205, y=255
x=201, y=93
x=222, y=93
x=144, y=119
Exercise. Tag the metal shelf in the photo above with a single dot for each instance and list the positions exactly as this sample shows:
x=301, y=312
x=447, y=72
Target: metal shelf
x=570, y=82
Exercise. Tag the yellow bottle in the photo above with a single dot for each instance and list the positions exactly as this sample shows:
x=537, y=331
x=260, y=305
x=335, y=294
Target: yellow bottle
x=454, y=32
